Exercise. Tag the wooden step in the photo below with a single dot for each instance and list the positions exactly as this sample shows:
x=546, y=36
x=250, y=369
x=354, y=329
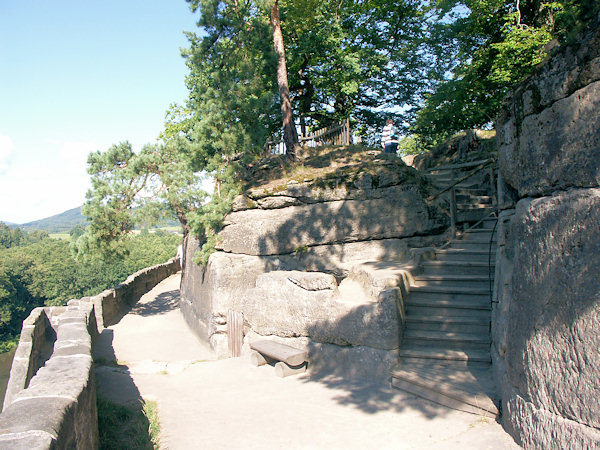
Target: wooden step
x=460, y=357
x=458, y=267
x=461, y=290
x=453, y=280
x=471, y=323
x=462, y=255
x=447, y=339
x=464, y=390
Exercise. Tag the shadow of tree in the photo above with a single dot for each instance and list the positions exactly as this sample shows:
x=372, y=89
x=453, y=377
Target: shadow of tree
x=161, y=304
x=374, y=397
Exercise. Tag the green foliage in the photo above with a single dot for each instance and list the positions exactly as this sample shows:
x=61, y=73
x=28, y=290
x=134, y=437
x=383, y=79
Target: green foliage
x=131, y=188
x=485, y=48
x=45, y=273
x=123, y=427
x=15, y=237
x=409, y=145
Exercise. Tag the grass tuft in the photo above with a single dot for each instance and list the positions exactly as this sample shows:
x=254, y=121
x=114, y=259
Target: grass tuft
x=124, y=427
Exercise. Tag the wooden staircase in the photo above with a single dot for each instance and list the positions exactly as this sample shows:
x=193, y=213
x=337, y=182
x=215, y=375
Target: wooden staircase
x=445, y=354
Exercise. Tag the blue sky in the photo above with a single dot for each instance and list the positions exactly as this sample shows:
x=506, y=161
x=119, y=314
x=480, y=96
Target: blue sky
x=77, y=76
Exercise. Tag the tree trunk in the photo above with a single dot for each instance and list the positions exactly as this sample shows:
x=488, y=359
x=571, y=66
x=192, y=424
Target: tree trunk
x=290, y=135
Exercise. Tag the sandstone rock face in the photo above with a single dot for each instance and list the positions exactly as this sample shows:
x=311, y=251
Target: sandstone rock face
x=399, y=212
x=546, y=346
x=548, y=134
x=286, y=247
x=293, y=304
x=555, y=303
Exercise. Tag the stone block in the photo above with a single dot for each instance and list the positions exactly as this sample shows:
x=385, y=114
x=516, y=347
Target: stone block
x=553, y=317
x=278, y=306
x=556, y=148
x=286, y=230
x=51, y=415
x=27, y=441
x=540, y=428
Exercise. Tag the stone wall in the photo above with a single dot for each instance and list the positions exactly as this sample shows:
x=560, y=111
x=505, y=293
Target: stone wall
x=546, y=346
x=292, y=259
x=51, y=397
x=113, y=303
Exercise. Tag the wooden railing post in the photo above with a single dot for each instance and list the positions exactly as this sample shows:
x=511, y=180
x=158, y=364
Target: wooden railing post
x=235, y=333
x=452, y=206
x=493, y=187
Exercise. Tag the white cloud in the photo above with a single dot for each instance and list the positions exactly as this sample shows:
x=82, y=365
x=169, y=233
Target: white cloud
x=6, y=147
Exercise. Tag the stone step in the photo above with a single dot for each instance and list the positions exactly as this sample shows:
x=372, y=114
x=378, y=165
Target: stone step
x=462, y=255
x=436, y=296
x=453, y=281
x=458, y=267
x=466, y=389
x=450, y=356
x=465, y=324
x=447, y=339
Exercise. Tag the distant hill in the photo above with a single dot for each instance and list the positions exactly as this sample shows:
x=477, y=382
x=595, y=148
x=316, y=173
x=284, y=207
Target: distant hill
x=60, y=223
x=64, y=222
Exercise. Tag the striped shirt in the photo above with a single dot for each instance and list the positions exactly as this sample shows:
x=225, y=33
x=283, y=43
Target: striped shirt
x=386, y=135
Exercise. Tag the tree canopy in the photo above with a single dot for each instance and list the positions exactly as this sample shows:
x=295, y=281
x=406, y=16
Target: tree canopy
x=438, y=67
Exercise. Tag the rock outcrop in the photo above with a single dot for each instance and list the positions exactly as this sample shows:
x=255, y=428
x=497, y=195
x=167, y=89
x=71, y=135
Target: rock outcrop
x=545, y=327
x=286, y=258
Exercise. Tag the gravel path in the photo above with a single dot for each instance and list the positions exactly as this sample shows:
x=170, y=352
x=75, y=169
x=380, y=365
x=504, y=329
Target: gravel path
x=228, y=404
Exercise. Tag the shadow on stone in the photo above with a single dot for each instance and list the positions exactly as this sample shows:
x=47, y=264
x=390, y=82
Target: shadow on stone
x=122, y=412
x=162, y=304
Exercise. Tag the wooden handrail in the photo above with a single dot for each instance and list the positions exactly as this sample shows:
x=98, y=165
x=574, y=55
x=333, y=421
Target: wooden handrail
x=460, y=166
x=341, y=135
x=467, y=176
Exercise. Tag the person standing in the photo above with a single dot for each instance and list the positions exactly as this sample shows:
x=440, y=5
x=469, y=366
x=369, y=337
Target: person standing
x=389, y=137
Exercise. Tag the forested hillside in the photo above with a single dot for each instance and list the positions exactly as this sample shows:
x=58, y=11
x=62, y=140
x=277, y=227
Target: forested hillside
x=36, y=270
x=59, y=223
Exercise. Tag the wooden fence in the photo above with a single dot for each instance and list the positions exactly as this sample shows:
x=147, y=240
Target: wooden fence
x=338, y=134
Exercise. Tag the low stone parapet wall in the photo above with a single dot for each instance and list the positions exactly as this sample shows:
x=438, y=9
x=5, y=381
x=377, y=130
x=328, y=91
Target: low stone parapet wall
x=51, y=396
x=35, y=347
x=111, y=304
x=57, y=409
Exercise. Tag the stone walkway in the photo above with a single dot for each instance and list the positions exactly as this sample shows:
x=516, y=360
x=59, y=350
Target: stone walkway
x=229, y=404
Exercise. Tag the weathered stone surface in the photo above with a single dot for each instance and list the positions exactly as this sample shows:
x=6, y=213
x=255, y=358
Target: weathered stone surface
x=278, y=202
x=208, y=293
x=270, y=232
x=546, y=347
x=555, y=149
x=552, y=350
x=278, y=306
x=342, y=361
x=539, y=428
x=549, y=129
x=34, y=349
x=27, y=441
x=313, y=281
